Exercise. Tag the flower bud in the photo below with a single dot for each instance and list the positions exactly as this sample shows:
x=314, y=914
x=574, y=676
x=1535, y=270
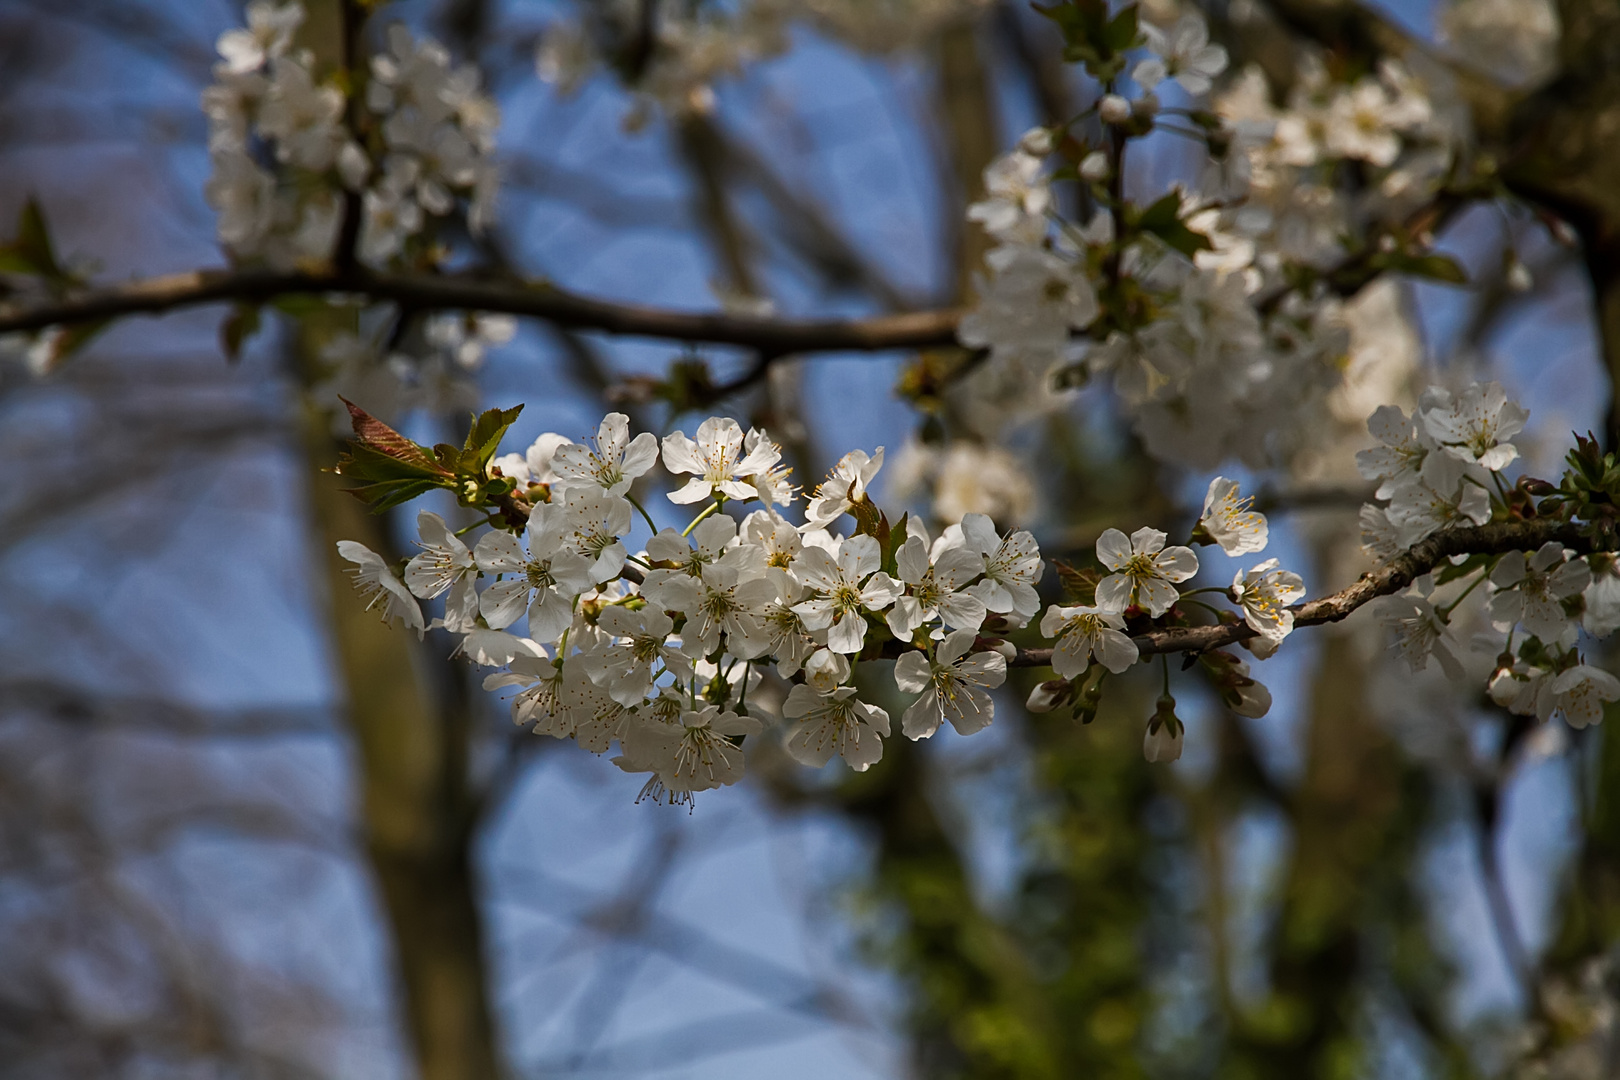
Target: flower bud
x=1163, y=739
x=1094, y=166
x=1049, y=695
x=1085, y=710
x=1038, y=141
x=1114, y=109
x=1007, y=649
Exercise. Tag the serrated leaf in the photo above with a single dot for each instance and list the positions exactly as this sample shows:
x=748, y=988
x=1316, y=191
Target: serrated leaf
x=381, y=453
x=486, y=434
x=390, y=493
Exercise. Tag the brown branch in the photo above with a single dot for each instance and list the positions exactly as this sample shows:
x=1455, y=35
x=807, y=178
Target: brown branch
x=152, y=296
x=1388, y=579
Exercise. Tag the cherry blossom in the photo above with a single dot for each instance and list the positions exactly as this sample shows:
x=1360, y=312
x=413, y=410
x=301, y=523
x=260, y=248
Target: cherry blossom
x=376, y=583
x=1012, y=566
x=836, y=723
x=1420, y=632
x=1229, y=521
x=955, y=682
x=1185, y=55
x=1529, y=592
x=1264, y=594
x=1474, y=425
x=1145, y=571
x=614, y=464
x=445, y=565
x=1085, y=633
x=842, y=584
x=718, y=459
x=844, y=487
x=551, y=570
x=935, y=587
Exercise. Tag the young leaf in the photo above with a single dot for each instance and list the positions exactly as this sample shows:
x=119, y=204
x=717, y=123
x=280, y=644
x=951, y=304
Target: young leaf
x=486, y=434
x=241, y=324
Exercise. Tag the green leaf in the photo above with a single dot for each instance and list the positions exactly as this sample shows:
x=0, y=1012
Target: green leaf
x=486, y=434
x=1163, y=219
x=241, y=324
x=1437, y=268
x=1463, y=569
x=891, y=546
x=32, y=252
x=1122, y=31
x=398, y=469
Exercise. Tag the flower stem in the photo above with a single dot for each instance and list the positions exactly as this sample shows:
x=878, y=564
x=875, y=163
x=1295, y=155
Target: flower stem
x=708, y=511
x=464, y=530
x=1164, y=664
x=1445, y=612
x=645, y=516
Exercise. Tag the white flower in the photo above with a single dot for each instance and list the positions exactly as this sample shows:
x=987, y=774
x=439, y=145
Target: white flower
x=1264, y=594
x=700, y=754
x=1602, y=598
x=269, y=34
x=1018, y=199
x=1186, y=56
x=1473, y=426
x=1445, y=494
x=772, y=484
x=1114, y=109
x=376, y=583
x=935, y=588
x=1397, y=462
x=465, y=337
x=1530, y=591
x=1086, y=633
x=836, y=723
x=628, y=666
x=1145, y=571
x=787, y=640
x=841, y=584
x=1379, y=536
x=1419, y=631
x=956, y=685
x=488, y=647
x=1580, y=692
x=1229, y=521
x=721, y=601
x=552, y=570
x=243, y=193
x=614, y=464
x=1523, y=690
x=844, y=487
x=445, y=565
x=1011, y=567
x=302, y=118
x=1028, y=307
x=826, y=670
x=718, y=458
x=595, y=523
x=778, y=539
x=390, y=218
x=1162, y=741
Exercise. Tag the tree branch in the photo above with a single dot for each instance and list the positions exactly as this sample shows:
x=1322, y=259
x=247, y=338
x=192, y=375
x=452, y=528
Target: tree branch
x=152, y=296
x=1388, y=579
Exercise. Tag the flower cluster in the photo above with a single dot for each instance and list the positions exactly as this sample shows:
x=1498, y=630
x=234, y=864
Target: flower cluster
x=663, y=650
x=1433, y=468
x=1206, y=309
x=285, y=149
x=1442, y=468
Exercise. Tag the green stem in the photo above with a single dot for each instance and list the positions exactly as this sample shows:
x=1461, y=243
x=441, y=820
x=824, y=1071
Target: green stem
x=464, y=530
x=645, y=516
x=1164, y=663
x=708, y=511
x=638, y=562
x=1445, y=612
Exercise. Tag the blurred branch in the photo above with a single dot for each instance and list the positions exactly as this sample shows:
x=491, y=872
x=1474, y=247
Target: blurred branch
x=542, y=301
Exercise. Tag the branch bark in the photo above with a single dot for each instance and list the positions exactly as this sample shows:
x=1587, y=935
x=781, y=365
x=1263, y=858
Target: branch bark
x=1388, y=579
x=153, y=296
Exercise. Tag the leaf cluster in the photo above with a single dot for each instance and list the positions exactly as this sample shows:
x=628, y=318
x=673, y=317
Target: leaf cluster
x=1093, y=37
x=393, y=469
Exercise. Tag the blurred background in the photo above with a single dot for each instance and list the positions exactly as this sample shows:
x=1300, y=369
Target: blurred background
x=245, y=832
